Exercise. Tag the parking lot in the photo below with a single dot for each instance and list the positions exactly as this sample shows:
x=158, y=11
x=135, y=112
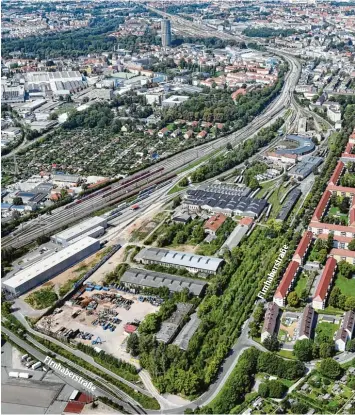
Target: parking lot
x=99, y=314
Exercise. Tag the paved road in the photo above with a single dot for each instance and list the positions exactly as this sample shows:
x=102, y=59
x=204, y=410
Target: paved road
x=99, y=391
x=79, y=354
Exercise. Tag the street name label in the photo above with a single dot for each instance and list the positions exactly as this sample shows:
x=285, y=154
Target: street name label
x=66, y=372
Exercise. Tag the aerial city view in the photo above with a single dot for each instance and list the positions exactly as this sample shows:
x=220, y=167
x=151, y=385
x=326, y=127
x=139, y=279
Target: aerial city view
x=178, y=207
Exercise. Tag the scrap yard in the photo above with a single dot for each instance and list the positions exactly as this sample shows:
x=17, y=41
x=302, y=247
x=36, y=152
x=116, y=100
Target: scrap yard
x=100, y=316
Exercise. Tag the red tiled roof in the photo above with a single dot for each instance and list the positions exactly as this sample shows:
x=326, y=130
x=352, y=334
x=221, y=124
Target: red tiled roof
x=286, y=280
x=304, y=243
x=342, y=252
x=337, y=173
x=352, y=212
x=346, y=155
x=338, y=238
x=334, y=188
x=215, y=222
x=318, y=213
x=323, y=284
x=74, y=407
x=83, y=397
x=331, y=227
x=348, y=148
x=246, y=221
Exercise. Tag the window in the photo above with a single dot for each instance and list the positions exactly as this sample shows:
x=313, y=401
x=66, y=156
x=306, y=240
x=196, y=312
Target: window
x=343, y=233
x=342, y=245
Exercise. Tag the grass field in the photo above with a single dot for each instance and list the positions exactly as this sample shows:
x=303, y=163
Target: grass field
x=326, y=330
x=346, y=286
x=301, y=284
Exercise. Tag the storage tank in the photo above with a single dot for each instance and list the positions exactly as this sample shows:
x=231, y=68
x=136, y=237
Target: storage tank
x=13, y=374
x=36, y=365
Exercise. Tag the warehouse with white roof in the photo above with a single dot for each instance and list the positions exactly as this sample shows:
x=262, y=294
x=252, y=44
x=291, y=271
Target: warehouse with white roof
x=193, y=263
x=92, y=227
x=51, y=266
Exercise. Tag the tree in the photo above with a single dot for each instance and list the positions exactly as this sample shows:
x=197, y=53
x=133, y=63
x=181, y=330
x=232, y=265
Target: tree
x=133, y=344
x=351, y=245
x=350, y=345
x=229, y=146
x=334, y=297
x=264, y=390
x=150, y=324
x=276, y=389
x=17, y=201
x=345, y=269
x=330, y=368
x=271, y=343
x=326, y=350
x=303, y=350
x=349, y=304
x=293, y=299
x=183, y=182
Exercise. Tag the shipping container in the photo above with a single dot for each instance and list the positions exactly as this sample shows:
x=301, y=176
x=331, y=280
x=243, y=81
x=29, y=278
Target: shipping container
x=13, y=374
x=24, y=375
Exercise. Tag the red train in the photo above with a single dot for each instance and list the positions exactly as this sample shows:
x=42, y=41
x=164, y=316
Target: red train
x=89, y=196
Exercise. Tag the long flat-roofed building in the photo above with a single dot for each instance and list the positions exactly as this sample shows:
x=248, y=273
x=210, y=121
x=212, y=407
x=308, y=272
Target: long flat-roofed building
x=51, y=266
x=90, y=227
x=270, y=321
x=193, y=263
x=183, y=338
x=324, y=284
x=135, y=277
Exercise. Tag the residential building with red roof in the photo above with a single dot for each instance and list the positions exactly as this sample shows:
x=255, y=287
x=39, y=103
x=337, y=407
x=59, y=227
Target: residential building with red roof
x=342, y=190
x=343, y=255
x=324, y=284
x=303, y=247
x=286, y=283
x=322, y=206
x=339, y=241
x=318, y=228
x=334, y=180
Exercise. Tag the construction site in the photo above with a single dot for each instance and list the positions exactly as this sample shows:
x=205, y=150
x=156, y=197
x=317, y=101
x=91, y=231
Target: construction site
x=101, y=317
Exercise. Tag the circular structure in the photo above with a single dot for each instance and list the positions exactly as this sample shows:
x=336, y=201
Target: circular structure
x=305, y=146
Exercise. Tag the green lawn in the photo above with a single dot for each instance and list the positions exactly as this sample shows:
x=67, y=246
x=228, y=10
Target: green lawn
x=326, y=330
x=287, y=353
x=346, y=286
x=334, y=211
x=301, y=284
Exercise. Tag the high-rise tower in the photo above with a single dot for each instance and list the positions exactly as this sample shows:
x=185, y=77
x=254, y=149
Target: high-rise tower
x=165, y=33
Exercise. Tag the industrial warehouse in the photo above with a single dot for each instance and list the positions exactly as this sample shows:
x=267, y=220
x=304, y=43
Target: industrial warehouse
x=92, y=227
x=51, y=266
x=142, y=278
x=223, y=199
x=193, y=263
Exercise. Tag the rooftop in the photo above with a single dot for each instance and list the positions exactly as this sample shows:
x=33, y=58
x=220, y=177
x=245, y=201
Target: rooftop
x=32, y=271
x=153, y=279
x=286, y=280
x=80, y=228
x=180, y=258
x=323, y=284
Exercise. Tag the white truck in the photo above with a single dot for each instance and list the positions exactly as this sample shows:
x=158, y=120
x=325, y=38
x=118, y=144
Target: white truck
x=36, y=365
x=13, y=374
x=24, y=375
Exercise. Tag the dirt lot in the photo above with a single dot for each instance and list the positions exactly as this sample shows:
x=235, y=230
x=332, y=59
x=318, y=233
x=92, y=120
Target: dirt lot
x=69, y=274
x=113, y=342
x=289, y=329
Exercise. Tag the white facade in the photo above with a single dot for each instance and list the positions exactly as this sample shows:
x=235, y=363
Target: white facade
x=51, y=266
x=82, y=229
